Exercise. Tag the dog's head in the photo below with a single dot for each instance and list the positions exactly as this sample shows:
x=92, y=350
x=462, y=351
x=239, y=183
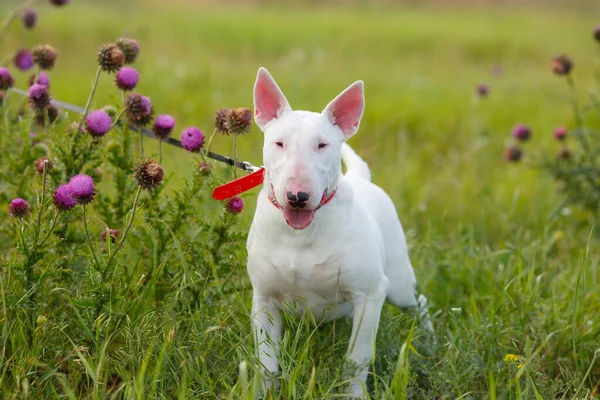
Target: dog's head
x=302, y=149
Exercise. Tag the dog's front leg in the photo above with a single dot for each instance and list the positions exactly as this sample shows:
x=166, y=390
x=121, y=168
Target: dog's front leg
x=367, y=310
x=266, y=322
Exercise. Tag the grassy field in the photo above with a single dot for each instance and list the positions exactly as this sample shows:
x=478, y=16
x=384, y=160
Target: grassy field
x=507, y=267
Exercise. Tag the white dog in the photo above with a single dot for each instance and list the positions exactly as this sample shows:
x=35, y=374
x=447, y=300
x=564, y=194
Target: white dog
x=323, y=240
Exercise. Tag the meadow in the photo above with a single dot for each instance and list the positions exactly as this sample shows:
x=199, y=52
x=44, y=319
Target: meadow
x=510, y=268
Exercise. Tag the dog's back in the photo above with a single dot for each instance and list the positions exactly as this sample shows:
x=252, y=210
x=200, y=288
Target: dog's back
x=380, y=207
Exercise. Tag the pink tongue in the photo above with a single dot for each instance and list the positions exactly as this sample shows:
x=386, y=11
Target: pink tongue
x=298, y=219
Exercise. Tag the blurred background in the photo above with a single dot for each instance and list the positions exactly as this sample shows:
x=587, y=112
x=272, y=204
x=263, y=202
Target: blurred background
x=432, y=141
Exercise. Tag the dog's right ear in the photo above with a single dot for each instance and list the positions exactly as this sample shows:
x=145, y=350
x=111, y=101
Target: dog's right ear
x=269, y=101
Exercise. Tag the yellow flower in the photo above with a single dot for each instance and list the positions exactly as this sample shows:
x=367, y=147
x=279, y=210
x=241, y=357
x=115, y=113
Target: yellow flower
x=510, y=358
x=520, y=366
x=558, y=235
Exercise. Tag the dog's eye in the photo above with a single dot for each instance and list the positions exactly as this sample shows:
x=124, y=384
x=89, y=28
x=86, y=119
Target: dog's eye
x=322, y=145
x=280, y=144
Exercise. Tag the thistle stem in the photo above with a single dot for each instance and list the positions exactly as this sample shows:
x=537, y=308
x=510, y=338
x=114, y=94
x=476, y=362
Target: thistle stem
x=39, y=217
x=127, y=228
x=235, y=156
x=160, y=151
x=14, y=14
x=210, y=139
x=89, y=100
x=141, y=143
x=116, y=121
x=89, y=238
x=56, y=215
x=580, y=134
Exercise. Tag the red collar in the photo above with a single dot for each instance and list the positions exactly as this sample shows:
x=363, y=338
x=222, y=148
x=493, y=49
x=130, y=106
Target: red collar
x=326, y=198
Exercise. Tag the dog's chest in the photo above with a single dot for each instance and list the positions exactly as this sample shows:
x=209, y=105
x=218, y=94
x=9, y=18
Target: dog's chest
x=309, y=276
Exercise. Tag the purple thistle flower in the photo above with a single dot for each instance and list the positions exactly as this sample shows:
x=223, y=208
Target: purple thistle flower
x=6, y=79
x=98, y=123
x=564, y=154
x=204, y=168
x=59, y=2
x=29, y=18
x=235, y=205
x=42, y=79
x=39, y=97
x=113, y=235
x=192, y=139
x=23, y=60
x=560, y=133
x=18, y=208
x=130, y=49
x=63, y=199
x=513, y=153
x=127, y=78
x=82, y=188
x=521, y=132
x=146, y=104
x=138, y=109
x=483, y=90
x=163, y=126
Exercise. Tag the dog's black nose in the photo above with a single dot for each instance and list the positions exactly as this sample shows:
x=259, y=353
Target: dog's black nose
x=297, y=200
x=302, y=197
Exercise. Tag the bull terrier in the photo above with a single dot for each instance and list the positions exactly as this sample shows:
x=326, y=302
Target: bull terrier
x=326, y=241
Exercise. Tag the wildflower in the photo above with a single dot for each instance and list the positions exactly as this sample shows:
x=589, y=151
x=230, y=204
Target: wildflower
x=29, y=18
x=127, y=78
x=63, y=199
x=18, y=208
x=41, y=79
x=149, y=174
x=51, y=112
x=510, y=358
x=513, y=153
x=44, y=56
x=111, y=58
x=239, y=121
x=564, y=154
x=204, y=169
x=6, y=79
x=41, y=320
x=98, y=123
x=113, y=235
x=23, y=60
x=235, y=205
x=163, y=126
x=597, y=33
x=130, y=48
x=483, y=90
x=39, y=97
x=82, y=188
x=521, y=132
x=561, y=65
x=560, y=133
x=139, y=109
x=59, y=2
x=221, y=118
x=39, y=165
x=192, y=139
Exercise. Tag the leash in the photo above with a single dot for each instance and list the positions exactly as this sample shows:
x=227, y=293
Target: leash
x=222, y=192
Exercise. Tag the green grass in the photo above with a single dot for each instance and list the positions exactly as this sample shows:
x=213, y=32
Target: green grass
x=507, y=269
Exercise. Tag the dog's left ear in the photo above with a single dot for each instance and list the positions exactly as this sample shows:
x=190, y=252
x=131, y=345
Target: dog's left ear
x=346, y=110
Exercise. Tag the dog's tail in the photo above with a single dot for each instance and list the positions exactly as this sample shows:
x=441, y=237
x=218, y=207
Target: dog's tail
x=355, y=165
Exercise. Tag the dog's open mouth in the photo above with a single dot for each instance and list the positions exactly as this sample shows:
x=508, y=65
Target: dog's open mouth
x=297, y=218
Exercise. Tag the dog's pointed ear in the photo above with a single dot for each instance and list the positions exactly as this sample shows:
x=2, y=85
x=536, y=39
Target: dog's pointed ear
x=269, y=101
x=346, y=110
